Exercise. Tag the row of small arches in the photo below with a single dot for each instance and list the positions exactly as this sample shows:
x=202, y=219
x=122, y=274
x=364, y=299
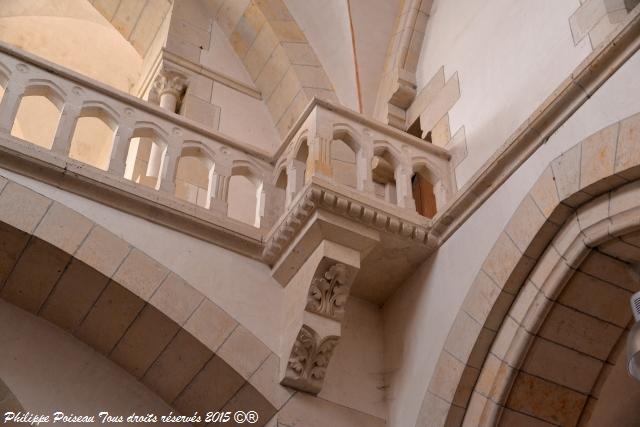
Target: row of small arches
x=92, y=141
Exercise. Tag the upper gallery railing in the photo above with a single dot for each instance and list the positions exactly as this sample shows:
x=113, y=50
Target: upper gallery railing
x=378, y=163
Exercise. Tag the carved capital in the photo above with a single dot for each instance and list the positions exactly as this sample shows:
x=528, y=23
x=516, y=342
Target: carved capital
x=168, y=82
x=329, y=292
x=308, y=360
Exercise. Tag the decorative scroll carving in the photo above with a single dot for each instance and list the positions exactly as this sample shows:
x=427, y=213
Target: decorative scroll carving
x=328, y=293
x=308, y=361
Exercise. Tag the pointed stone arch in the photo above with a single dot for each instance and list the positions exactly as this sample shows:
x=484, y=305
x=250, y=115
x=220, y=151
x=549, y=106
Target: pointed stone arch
x=565, y=250
x=127, y=306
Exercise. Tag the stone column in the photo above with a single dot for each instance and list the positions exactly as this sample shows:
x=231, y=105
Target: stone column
x=168, y=88
x=10, y=103
x=295, y=180
x=220, y=188
x=404, y=193
x=364, y=160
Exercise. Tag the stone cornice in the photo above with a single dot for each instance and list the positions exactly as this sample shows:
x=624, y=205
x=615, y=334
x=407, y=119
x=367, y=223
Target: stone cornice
x=320, y=194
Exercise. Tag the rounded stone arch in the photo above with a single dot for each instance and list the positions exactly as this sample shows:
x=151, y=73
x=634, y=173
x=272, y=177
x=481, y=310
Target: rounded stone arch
x=348, y=135
x=545, y=317
x=127, y=306
x=300, y=150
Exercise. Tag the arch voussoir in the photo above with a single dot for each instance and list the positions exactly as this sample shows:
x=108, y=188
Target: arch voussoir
x=583, y=207
x=131, y=308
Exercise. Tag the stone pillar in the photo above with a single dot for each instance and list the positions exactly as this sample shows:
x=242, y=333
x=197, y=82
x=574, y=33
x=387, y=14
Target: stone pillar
x=168, y=88
x=295, y=180
x=319, y=142
x=10, y=103
x=170, y=167
x=404, y=193
x=364, y=175
x=66, y=127
x=220, y=188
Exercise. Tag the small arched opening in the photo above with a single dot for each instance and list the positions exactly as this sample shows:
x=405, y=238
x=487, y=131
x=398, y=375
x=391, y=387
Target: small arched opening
x=142, y=165
x=245, y=195
x=38, y=115
x=193, y=176
x=93, y=136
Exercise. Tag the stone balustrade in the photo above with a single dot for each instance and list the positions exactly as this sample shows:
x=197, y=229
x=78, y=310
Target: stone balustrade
x=335, y=213
x=280, y=178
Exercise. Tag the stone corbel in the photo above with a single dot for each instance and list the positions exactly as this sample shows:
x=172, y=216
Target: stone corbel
x=405, y=89
x=316, y=296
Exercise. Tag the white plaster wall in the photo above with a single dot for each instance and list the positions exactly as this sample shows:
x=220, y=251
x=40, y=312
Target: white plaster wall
x=509, y=55
x=49, y=370
x=245, y=118
x=73, y=34
x=326, y=26
x=420, y=314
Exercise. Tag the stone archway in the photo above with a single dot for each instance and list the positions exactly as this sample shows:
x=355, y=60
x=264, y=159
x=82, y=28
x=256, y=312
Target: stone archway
x=127, y=306
x=545, y=317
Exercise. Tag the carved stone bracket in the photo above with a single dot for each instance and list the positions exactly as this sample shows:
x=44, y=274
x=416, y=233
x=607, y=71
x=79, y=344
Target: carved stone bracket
x=328, y=293
x=309, y=359
x=316, y=298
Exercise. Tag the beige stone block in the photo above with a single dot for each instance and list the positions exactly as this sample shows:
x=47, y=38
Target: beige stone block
x=63, y=228
x=201, y=87
x=293, y=111
x=106, y=7
x=126, y=16
x=561, y=365
x=499, y=310
x=260, y=51
x=627, y=162
x=254, y=16
x=141, y=274
x=273, y=72
x=187, y=51
x=183, y=31
x=426, y=95
x=312, y=76
x=513, y=418
x=495, y=379
x=35, y=274
x=243, y=351
x=283, y=94
x=442, y=102
x=624, y=198
x=210, y=324
x=148, y=25
x=144, y=340
x=300, y=54
x=481, y=412
x=481, y=348
x=12, y=243
x=598, y=157
x=176, y=298
x=462, y=336
x=214, y=385
x=593, y=211
x=200, y=111
x=580, y=331
x=523, y=302
x=537, y=313
x=546, y=400
x=74, y=295
x=242, y=38
x=103, y=251
x=109, y=318
x=504, y=338
x=176, y=366
x=21, y=207
x=566, y=170
x=585, y=18
x=288, y=31
x=621, y=250
x=193, y=11
x=610, y=270
x=597, y=298
x=247, y=397
x=267, y=381
x=230, y=13
x=506, y=265
x=274, y=10
x=441, y=134
x=446, y=376
x=481, y=297
x=525, y=224
x=545, y=195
